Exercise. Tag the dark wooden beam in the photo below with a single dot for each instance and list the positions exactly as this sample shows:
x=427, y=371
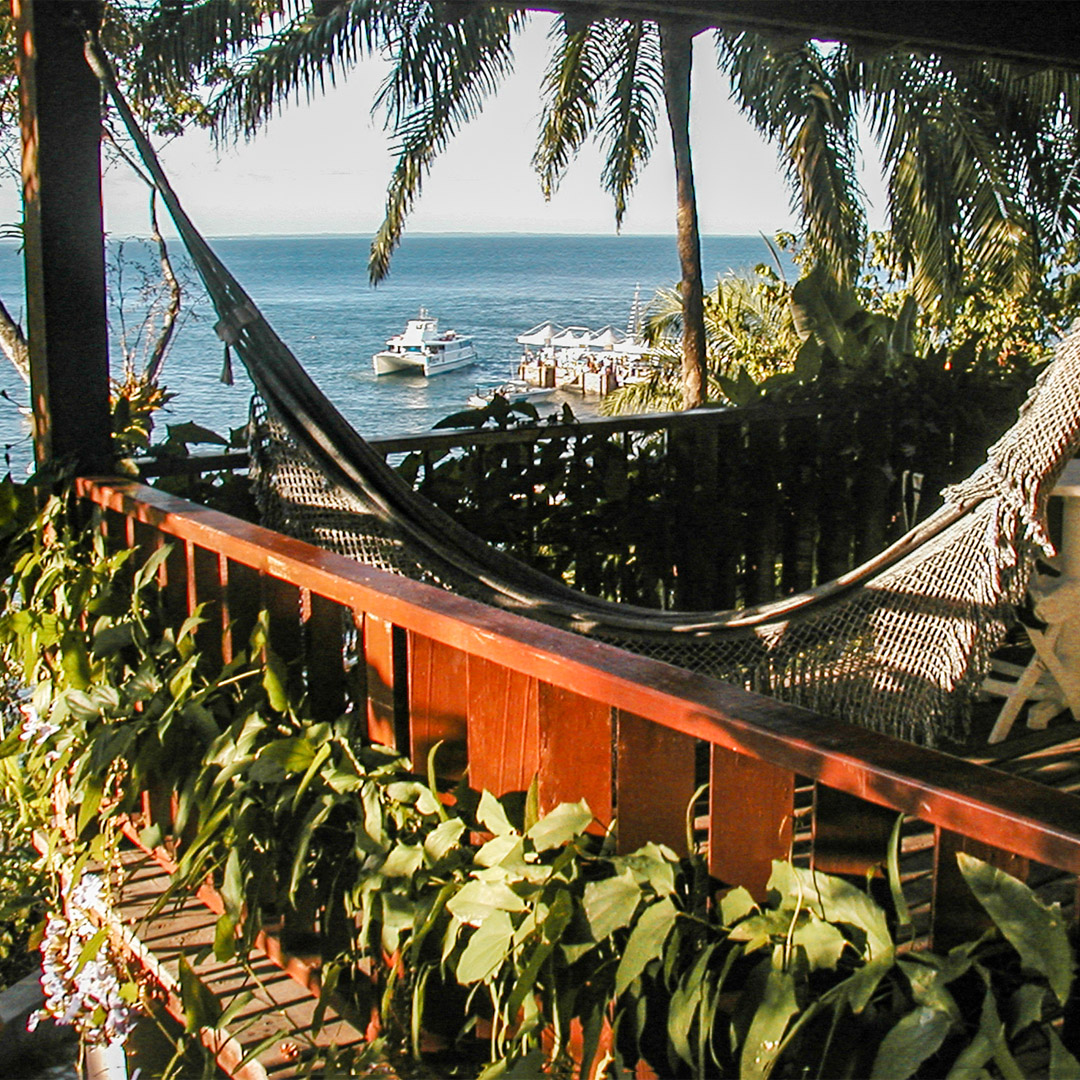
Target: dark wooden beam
x=1031, y=33
x=60, y=103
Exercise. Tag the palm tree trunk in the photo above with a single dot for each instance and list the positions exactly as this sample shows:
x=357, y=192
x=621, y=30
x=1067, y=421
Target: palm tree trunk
x=676, y=50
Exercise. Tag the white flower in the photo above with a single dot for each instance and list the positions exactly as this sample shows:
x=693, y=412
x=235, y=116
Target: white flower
x=73, y=994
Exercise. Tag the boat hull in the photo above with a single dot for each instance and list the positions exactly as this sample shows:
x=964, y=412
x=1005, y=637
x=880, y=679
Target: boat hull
x=391, y=363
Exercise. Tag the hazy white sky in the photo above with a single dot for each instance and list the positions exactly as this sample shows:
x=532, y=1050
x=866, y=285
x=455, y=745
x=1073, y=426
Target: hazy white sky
x=323, y=167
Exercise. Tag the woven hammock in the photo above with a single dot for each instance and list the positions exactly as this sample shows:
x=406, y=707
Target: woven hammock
x=896, y=645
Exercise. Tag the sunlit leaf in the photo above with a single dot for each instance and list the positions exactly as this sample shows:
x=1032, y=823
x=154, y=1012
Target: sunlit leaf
x=909, y=1043
x=1037, y=932
x=645, y=942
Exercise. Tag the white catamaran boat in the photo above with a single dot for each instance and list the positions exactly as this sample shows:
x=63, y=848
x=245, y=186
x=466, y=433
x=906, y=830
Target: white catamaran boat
x=422, y=349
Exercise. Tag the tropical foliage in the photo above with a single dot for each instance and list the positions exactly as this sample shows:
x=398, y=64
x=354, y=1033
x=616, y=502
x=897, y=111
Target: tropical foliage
x=979, y=159
x=515, y=952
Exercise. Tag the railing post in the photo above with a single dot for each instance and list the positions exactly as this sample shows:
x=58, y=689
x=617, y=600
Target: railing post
x=850, y=835
x=438, y=705
x=654, y=782
x=751, y=818
x=956, y=915
x=698, y=532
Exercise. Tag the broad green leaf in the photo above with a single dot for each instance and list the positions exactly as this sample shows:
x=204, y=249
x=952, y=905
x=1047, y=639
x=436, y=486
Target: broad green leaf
x=232, y=884
x=1063, y=1066
x=274, y=680
x=610, y=904
x=736, y=905
x=835, y=901
x=767, y=1029
x=558, y=918
x=225, y=937
x=476, y=900
x=645, y=943
x=1037, y=932
x=1026, y=1007
x=928, y=987
x=909, y=1043
x=563, y=823
x=403, y=861
x=292, y=755
x=486, y=949
x=822, y=941
x=492, y=816
x=653, y=864
x=857, y=990
x=498, y=849
x=443, y=838
x=200, y=1003
x=685, y=1003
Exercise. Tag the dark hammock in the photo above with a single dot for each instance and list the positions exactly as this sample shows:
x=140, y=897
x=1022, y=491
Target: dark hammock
x=895, y=645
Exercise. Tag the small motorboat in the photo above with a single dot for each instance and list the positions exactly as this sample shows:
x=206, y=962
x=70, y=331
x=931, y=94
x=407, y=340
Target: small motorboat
x=423, y=350
x=517, y=390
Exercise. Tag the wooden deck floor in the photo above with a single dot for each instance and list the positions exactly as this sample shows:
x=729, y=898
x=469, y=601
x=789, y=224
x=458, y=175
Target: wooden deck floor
x=271, y=1037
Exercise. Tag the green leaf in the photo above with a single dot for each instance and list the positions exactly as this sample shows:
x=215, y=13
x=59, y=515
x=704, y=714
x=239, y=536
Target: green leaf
x=928, y=986
x=476, y=900
x=443, y=838
x=289, y=755
x=274, y=680
x=194, y=433
x=492, y=816
x=1037, y=932
x=834, y=900
x=1026, y=1007
x=200, y=1003
x=736, y=905
x=766, y=1033
x=563, y=823
x=486, y=949
x=91, y=949
x=645, y=942
x=822, y=941
x=1063, y=1066
x=909, y=1043
x=610, y=904
x=75, y=661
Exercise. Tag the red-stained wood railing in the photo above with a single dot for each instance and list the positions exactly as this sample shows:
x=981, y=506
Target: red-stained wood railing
x=516, y=699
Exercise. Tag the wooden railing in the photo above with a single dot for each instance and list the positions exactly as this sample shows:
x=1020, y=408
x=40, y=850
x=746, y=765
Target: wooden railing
x=515, y=699
x=720, y=507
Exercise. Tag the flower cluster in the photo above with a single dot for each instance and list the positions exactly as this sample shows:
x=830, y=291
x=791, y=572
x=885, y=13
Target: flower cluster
x=87, y=993
x=35, y=729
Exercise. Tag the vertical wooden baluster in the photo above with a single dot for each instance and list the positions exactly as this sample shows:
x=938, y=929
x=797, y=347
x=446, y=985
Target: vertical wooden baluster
x=438, y=705
x=575, y=751
x=282, y=602
x=240, y=607
x=729, y=453
x=381, y=674
x=325, y=650
x=850, y=835
x=503, y=729
x=173, y=579
x=956, y=915
x=204, y=576
x=654, y=782
x=763, y=511
x=751, y=807
x=800, y=499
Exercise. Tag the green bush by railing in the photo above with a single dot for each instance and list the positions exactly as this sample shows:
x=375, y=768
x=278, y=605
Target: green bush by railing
x=529, y=947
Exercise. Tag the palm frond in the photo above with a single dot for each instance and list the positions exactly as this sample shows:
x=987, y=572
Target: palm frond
x=627, y=122
x=568, y=88
x=443, y=72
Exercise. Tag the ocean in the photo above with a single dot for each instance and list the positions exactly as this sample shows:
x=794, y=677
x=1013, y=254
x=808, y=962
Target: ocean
x=314, y=292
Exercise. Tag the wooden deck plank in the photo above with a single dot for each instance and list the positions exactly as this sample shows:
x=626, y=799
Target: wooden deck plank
x=280, y=1005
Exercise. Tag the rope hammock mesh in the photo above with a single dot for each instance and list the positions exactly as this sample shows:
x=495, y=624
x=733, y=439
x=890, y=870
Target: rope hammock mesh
x=897, y=645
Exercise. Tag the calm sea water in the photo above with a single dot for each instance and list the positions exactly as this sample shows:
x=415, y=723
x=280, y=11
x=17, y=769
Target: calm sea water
x=314, y=292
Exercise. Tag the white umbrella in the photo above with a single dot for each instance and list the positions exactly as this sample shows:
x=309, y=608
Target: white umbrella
x=539, y=335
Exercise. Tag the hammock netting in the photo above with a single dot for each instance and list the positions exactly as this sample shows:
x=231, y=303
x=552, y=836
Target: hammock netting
x=897, y=645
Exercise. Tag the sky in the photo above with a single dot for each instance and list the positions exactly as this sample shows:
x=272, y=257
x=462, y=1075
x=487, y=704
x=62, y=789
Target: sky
x=322, y=167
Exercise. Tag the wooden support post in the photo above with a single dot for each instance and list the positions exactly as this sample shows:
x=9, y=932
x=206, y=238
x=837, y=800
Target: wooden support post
x=438, y=705
x=575, y=751
x=654, y=782
x=60, y=103
x=751, y=806
x=851, y=835
x=503, y=730
x=956, y=915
